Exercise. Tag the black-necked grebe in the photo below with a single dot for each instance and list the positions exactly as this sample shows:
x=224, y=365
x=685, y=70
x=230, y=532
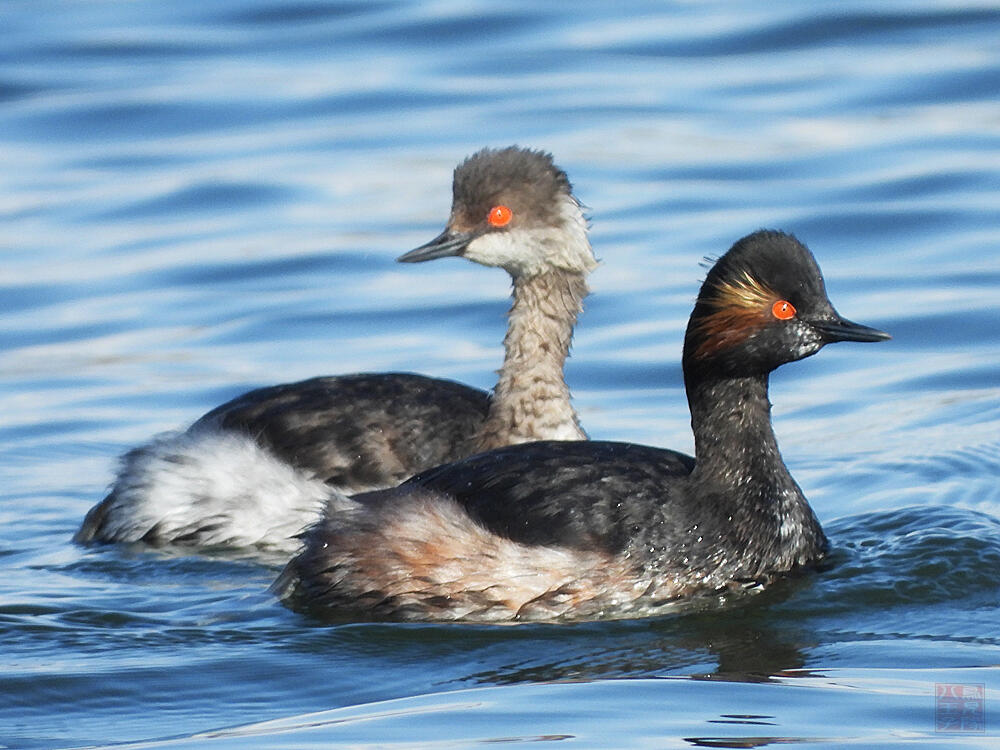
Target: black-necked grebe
x=256, y=470
x=576, y=530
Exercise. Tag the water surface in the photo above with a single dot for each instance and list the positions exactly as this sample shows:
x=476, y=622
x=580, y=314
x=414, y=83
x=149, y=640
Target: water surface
x=199, y=198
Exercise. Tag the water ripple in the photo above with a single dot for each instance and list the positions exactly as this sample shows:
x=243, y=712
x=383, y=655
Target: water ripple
x=204, y=197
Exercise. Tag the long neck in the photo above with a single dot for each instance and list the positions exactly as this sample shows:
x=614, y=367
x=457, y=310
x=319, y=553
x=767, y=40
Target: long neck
x=738, y=459
x=531, y=400
x=731, y=420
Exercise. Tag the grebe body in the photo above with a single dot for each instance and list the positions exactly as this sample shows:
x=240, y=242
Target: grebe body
x=254, y=472
x=582, y=530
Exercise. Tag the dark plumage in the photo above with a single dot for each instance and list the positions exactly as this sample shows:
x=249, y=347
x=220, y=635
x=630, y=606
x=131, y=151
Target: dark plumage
x=571, y=530
x=566, y=494
x=359, y=431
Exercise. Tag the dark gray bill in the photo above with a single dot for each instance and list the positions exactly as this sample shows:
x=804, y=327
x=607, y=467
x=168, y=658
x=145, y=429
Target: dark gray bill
x=445, y=245
x=840, y=329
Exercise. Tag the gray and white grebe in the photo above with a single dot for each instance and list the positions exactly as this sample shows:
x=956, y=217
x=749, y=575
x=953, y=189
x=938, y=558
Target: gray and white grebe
x=579, y=530
x=255, y=471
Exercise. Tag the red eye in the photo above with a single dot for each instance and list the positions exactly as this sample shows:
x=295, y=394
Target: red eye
x=783, y=310
x=500, y=216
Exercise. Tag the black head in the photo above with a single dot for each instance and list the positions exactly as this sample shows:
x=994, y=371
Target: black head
x=762, y=304
x=512, y=208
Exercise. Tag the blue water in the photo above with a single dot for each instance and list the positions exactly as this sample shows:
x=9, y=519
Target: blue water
x=202, y=197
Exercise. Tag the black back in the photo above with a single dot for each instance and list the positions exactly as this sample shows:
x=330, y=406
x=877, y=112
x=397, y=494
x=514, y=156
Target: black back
x=567, y=494
x=359, y=431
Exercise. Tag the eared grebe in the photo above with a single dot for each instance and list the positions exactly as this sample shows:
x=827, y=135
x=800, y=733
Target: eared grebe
x=256, y=470
x=584, y=530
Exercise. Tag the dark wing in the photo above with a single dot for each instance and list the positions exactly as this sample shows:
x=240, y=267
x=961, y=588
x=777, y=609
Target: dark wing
x=359, y=431
x=587, y=495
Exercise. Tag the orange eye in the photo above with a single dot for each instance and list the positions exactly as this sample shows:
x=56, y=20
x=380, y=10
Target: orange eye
x=500, y=216
x=783, y=310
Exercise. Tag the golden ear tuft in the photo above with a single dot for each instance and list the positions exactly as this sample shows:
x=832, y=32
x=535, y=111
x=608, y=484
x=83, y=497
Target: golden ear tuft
x=744, y=291
x=739, y=307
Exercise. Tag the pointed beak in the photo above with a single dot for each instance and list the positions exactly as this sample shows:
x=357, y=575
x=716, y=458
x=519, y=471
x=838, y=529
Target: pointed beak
x=446, y=244
x=840, y=329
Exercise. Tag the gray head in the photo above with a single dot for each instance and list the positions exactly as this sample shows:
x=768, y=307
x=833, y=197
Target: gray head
x=514, y=209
